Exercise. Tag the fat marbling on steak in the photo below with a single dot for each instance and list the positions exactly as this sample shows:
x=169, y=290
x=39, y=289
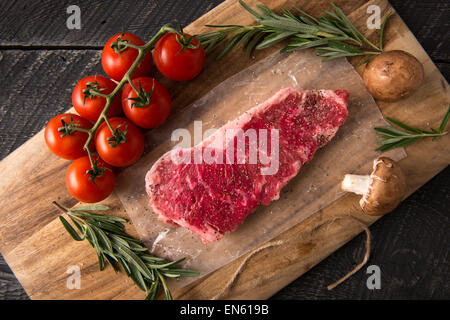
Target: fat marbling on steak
x=212, y=198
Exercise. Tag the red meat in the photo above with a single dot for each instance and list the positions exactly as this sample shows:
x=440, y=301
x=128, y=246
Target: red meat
x=212, y=198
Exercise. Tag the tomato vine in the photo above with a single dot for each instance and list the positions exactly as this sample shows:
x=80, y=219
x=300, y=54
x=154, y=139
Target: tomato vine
x=92, y=90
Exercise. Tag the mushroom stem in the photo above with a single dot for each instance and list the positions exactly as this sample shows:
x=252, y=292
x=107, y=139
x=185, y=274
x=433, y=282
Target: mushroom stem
x=382, y=190
x=356, y=183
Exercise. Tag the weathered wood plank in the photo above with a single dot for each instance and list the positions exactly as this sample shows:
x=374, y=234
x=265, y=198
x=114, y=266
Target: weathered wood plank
x=44, y=22
x=34, y=96
x=429, y=21
x=37, y=85
x=10, y=288
x=410, y=268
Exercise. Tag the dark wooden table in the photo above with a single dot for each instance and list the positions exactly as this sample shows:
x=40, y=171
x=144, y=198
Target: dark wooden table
x=41, y=60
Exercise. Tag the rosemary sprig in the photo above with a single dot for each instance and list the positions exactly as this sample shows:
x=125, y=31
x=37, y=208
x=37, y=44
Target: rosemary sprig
x=114, y=247
x=392, y=137
x=333, y=35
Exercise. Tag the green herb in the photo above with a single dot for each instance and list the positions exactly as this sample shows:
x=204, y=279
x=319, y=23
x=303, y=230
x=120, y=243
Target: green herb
x=113, y=246
x=333, y=35
x=392, y=137
x=143, y=98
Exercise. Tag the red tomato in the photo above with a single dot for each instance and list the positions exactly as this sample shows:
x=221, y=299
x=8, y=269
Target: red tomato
x=116, y=65
x=149, y=115
x=70, y=146
x=85, y=190
x=176, y=65
x=125, y=153
x=90, y=108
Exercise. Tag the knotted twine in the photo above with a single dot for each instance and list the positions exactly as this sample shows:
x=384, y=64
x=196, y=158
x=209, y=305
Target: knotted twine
x=276, y=243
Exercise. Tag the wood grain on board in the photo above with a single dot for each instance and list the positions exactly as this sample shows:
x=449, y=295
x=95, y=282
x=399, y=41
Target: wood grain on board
x=38, y=249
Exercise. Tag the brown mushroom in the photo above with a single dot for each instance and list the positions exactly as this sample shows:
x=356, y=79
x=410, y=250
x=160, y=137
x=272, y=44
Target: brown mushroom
x=393, y=75
x=382, y=190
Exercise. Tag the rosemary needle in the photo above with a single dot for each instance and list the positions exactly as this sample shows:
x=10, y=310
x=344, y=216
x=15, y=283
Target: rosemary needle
x=332, y=35
x=115, y=247
x=392, y=137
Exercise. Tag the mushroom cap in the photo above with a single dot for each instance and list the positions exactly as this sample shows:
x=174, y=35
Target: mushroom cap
x=393, y=75
x=387, y=187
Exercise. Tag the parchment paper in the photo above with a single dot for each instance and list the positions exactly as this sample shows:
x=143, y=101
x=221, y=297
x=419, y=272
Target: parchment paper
x=316, y=186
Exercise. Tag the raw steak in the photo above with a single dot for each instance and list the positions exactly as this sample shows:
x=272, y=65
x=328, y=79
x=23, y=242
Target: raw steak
x=211, y=198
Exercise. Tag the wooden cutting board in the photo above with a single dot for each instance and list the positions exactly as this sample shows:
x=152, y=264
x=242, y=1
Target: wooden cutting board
x=39, y=251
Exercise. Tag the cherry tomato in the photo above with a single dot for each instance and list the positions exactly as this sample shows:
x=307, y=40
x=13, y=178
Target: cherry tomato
x=129, y=142
x=117, y=64
x=70, y=145
x=82, y=188
x=176, y=64
x=90, y=107
x=142, y=114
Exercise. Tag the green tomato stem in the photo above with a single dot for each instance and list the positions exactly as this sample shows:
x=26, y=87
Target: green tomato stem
x=80, y=129
x=96, y=93
x=133, y=86
x=109, y=98
x=93, y=167
x=109, y=125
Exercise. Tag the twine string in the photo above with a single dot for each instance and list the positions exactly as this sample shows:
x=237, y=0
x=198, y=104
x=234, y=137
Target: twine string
x=275, y=243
